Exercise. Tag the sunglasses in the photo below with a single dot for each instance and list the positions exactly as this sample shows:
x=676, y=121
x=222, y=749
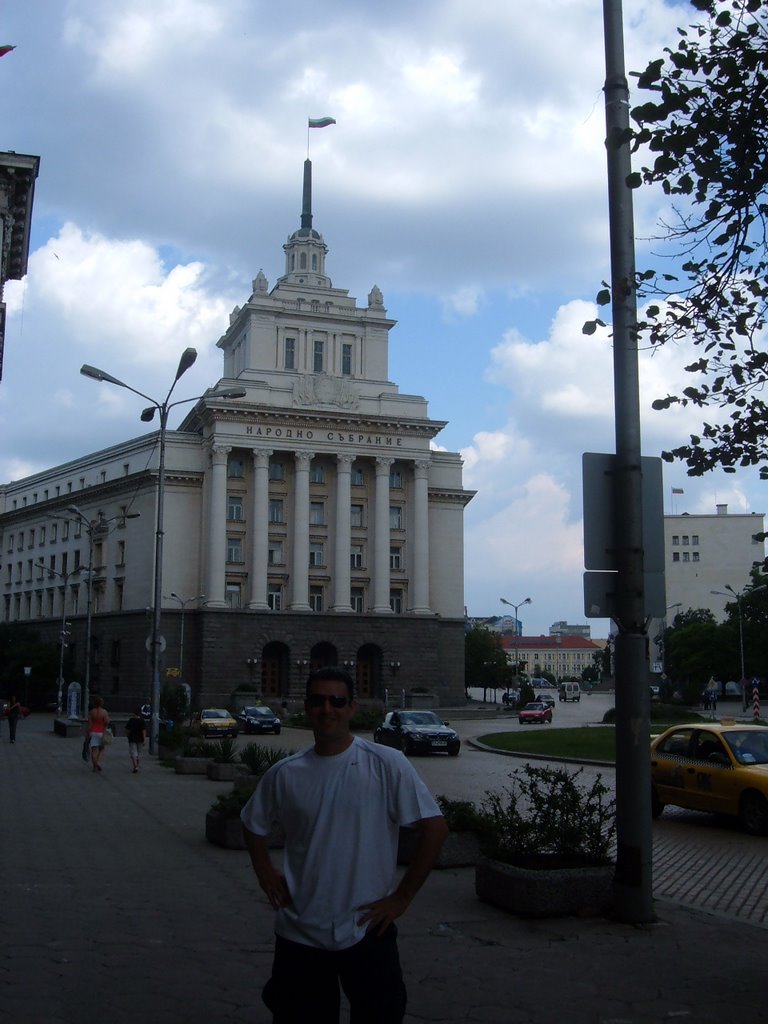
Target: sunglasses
x=317, y=700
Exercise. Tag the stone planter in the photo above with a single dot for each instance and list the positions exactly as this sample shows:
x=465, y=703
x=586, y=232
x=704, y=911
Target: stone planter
x=222, y=772
x=546, y=892
x=228, y=832
x=460, y=849
x=192, y=765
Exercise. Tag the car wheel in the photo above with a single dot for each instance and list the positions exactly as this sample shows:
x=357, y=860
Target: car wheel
x=408, y=747
x=753, y=812
x=277, y=730
x=520, y=721
x=656, y=805
x=453, y=751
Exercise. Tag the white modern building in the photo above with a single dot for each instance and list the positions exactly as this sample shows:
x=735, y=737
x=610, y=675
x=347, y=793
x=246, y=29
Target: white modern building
x=309, y=522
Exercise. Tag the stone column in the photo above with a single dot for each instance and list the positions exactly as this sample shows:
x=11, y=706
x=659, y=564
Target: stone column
x=341, y=574
x=420, y=538
x=216, y=553
x=381, y=539
x=300, y=574
x=259, y=530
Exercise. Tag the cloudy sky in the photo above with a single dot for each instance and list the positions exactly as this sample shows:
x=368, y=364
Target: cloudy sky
x=465, y=177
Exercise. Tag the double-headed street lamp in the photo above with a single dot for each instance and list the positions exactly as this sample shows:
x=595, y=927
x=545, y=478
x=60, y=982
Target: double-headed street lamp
x=183, y=602
x=517, y=654
x=188, y=356
x=731, y=593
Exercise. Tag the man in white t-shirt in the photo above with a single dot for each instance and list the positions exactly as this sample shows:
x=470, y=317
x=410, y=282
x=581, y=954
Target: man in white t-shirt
x=341, y=804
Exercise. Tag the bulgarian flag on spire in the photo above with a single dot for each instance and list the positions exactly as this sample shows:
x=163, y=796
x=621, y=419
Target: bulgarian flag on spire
x=7, y=49
x=321, y=122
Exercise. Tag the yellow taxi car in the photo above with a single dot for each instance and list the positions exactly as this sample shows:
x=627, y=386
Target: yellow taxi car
x=722, y=768
x=217, y=722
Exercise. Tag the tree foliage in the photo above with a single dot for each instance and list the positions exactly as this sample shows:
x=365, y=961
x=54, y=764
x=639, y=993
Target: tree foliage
x=704, y=133
x=485, y=660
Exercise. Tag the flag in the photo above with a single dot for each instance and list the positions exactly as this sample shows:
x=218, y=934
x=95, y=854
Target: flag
x=678, y=490
x=321, y=122
x=6, y=49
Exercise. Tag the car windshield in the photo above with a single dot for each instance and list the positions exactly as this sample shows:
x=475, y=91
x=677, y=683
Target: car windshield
x=264, y=712
x=533, y=707
x=748, y=747
x=215, y=714
x=419, y=718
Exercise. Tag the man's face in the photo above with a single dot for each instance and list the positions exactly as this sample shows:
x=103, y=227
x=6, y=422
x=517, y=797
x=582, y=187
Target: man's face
x=328, y=722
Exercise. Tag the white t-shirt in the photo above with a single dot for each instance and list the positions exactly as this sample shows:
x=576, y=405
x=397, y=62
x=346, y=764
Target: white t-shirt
x=341, y=816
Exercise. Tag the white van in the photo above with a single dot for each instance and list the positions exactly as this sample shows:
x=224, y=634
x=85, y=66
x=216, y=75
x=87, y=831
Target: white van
x=569, y=691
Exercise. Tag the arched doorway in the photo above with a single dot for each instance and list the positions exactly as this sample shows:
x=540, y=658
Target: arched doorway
x=369, y=661
x=322, y=654
x=274, y=670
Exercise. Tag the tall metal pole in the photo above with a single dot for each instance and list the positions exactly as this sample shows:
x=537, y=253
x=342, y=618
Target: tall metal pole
x=633, y=897
x=157, y=639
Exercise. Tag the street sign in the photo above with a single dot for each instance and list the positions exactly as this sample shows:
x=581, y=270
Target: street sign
x=160, y=643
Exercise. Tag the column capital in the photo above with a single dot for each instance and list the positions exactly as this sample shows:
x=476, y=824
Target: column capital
x=383, y=464
x=421, y=467
x=344, y=462
x=261, y=457
x=219, y=453
x=303, y=459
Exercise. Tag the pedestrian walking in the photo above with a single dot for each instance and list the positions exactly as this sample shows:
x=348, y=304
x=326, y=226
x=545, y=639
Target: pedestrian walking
x=136, y=731
x=14, y=713
x=340, y=804
x=98, y=720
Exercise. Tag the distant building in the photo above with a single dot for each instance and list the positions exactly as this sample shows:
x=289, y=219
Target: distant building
x=569, y=629
x=308, y=523
x=17, y=191
x=560, y=655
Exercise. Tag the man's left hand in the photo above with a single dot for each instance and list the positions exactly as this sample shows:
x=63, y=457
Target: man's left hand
x=380, y=914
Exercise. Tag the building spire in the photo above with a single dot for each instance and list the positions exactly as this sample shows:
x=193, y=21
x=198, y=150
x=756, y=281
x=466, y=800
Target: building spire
x=306, y=202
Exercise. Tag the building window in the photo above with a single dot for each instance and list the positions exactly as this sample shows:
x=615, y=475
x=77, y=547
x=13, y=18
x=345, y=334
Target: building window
x=275, y=597
x=234, y=507
x=356, y=556
x=358, y=480
x=317, y=363
x=346, y=360
x=234, y=549
x=63, y=562
x=356, y=515
x=276, y=510
x=31, y=539
x=232, y=595
x=316, y=513
x=42, y=535
x=65, y=530
x=235, y=468
x=121, y=552
x=316, y=598
x=10, y=542
x=395, y=557
x=21, y=541
x=275, y=552
x=694, y=556
x=276, y=471
x=685, y=538
x=686, y=556
x=29, y=568
x=695, y=539
x=395, y=517
x=290, y=354
x=54, y=532
x=675, y=556
x=78, y=529
x=395, y=478
x=119, y=594
x=675, y=539
x=316, y=556
x=396, y=601
x=356, y=598
x=316, y=474
x=126, y=469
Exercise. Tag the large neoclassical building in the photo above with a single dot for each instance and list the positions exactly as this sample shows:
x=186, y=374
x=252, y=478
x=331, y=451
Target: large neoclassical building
x=308, y=522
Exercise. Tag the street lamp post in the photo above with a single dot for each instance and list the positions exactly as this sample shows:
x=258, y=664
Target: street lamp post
x=183, y=602
x=516, y=649
x=730, y=593
x=188, y=356
x=64, y=633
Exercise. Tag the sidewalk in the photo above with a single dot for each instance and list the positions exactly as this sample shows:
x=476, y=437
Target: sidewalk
x=114, y=906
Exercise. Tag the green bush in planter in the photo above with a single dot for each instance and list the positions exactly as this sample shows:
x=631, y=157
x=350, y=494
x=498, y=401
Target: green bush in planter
x=548, y=816
x=230, y=804
x=195, y=747
x=257, y=759
x=224, y=751
x=461, y=815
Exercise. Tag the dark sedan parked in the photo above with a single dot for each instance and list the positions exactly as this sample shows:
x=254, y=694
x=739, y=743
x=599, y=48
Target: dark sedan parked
x=417, y=732
x=258, y=719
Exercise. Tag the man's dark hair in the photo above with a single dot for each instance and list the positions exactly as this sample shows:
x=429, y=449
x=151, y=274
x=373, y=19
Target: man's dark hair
x=332, y=674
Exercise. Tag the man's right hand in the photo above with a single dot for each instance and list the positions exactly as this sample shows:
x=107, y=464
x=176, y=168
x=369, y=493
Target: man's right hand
x=274, y=887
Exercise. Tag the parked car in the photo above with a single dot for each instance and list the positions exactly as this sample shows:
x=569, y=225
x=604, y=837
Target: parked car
x=535, y=712
x=569, y=691
x=417, y=732
x=217, y=722
x=259, y=719
x=510, y=697
x=546, y=699
x=713, y=767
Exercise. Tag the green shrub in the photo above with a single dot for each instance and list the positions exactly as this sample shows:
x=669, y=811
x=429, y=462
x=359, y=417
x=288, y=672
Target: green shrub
x=231, y=804
x=547, y=811
x=224, y=751
x=257, y=759
x=460, y=815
